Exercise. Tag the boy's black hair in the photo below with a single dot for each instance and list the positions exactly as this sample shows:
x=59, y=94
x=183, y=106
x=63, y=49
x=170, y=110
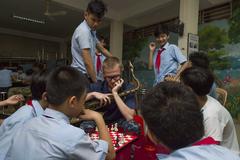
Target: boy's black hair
x=64, y=82
x=162, y=29
x=199, y=79
x=38, y=84
x=172, y=113
x=199, y=59
x=97, y=8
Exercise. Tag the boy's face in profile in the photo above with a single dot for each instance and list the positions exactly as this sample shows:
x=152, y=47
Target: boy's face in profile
x=92, y=21
x=78, y=106
x=162, y=39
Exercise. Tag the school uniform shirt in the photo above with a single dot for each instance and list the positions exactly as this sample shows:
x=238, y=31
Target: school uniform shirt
x=219, y=124
x=5, y=78
x=16, y=121
x=171, y=58
x=111, y=112
x=203, y=152
x=100, y=73
x=52, y=137
x=83, y=38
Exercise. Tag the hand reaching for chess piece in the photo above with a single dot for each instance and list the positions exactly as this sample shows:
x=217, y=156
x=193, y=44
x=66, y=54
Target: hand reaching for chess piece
x=171, y=78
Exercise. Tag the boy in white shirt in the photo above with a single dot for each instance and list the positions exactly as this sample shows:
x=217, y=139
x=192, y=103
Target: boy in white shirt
x=218, y=122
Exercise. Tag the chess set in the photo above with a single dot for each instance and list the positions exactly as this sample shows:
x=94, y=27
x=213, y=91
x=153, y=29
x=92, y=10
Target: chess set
x=119, y=138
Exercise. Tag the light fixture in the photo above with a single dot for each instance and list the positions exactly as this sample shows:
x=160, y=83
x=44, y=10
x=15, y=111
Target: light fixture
x=28, y=19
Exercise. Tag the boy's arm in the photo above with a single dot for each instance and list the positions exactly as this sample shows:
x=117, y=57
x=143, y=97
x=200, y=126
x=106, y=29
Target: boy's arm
x=103, y=132
x=127, y=112
x=103, y=98
x=152, y=47
x=103, y=50
x=104, y=135
x=87, y=59
x=184, y=65
x=12, y=100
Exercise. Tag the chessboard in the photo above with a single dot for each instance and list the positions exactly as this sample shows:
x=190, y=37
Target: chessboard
x=119, y=139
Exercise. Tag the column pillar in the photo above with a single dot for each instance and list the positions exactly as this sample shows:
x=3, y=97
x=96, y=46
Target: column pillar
x=116, y=38
x=63, y=49
x=188, y=14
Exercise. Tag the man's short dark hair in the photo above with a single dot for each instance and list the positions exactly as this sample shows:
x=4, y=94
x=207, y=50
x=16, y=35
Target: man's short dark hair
x=38, y=84
x=199, y=59
x=65, y=82
x=97, y=8
x=199, y=79
x=162, y=29
x=172, y=113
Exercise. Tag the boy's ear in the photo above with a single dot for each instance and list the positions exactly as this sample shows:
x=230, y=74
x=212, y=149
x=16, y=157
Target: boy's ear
x=72, y=101
x=44, y=96
x=85, y=14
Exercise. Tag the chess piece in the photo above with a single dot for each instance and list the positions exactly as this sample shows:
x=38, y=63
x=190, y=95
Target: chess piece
x=112, y=128
x=117, y=141
x=116, y=127
x=122, y=139
x=96, y=129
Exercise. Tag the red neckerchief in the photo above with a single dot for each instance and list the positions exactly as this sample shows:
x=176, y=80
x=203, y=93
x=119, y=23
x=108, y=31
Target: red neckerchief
x=99, y=63
x=158, y=59
x=205, y=141
x=29, y=102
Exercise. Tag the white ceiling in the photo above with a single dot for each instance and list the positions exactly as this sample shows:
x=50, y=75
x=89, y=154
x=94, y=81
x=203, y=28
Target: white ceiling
x=136, y=13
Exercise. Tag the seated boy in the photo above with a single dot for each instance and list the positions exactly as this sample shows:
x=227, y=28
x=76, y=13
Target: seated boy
x=200, y=59
x=218, y=122
x=173, y=118
x=32, y=109
x=50, y=136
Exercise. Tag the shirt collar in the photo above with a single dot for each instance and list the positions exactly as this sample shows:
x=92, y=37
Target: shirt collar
x=92, y=31
x=56, y=115
x=99, y=54
x=206, y=104
x=166, y=46
x=37, y=108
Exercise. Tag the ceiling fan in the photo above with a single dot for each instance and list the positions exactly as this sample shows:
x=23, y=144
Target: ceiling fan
x=52, y=14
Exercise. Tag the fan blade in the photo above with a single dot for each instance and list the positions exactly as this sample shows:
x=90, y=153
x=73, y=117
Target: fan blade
x=58, y=13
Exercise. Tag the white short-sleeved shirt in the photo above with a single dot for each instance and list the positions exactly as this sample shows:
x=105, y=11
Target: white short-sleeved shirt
x=219, y=124
x=83, y=38
x=171, y=58
x=52, y=137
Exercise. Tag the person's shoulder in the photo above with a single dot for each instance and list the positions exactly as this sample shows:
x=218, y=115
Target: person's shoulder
x=70, y=135
x=214, y=102
x=98, y=86
x=215, y=108
x=23, y=114
x=83, y=27
x=24, y=111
